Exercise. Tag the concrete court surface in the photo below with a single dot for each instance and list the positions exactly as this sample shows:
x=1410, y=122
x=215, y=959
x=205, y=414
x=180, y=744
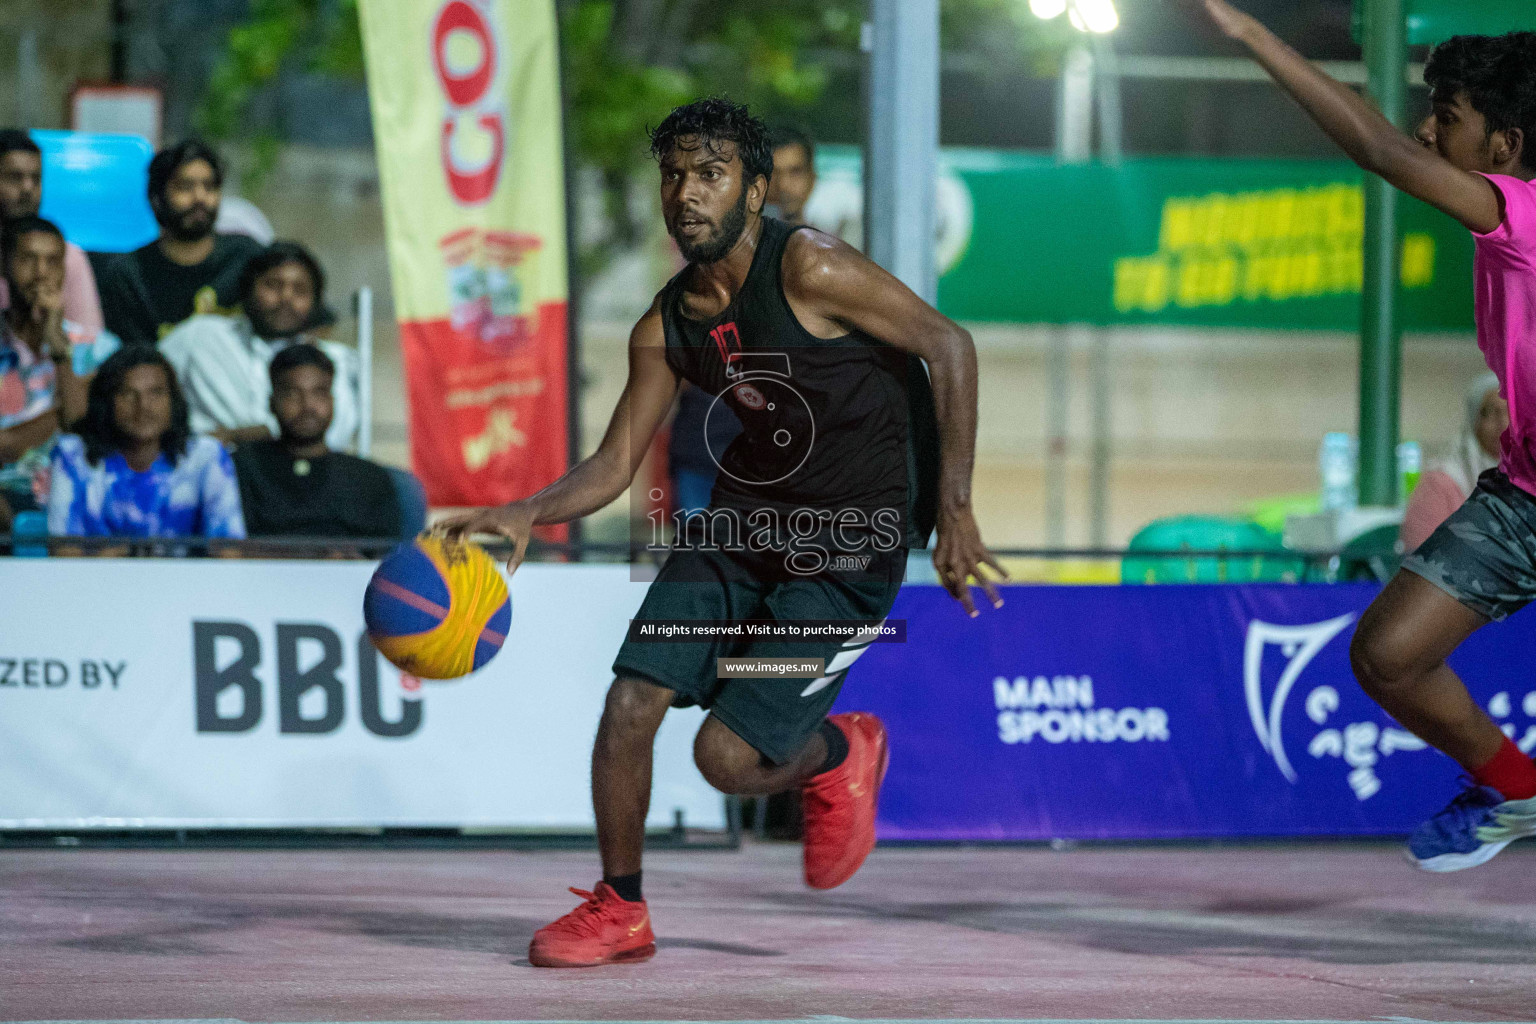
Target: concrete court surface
x=1315, y=932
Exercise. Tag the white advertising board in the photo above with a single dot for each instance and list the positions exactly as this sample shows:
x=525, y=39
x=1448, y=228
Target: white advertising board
x=207, y=693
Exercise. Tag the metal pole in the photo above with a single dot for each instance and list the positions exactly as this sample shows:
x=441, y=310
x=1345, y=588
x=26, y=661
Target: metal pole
x=1074, y=145
x=363, y=304
x=1386, y=50
x=1106, y=87
x=1058, y=386
x=1099, y=409
x=904, y=141
x=573, y=289
x=1111, y=150
x=1074, y=107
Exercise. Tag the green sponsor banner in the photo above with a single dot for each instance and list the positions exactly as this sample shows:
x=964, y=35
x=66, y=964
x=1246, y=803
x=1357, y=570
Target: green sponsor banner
x=1434, y=21
x=1220, y=243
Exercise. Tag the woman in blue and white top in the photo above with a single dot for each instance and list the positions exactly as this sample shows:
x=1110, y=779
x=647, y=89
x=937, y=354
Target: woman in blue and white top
x=133, y=468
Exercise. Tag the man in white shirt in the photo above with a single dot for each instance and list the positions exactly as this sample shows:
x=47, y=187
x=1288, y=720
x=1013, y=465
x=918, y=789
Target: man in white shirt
x=223, y=362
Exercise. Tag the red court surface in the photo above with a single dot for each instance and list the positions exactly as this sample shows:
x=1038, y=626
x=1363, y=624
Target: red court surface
x=1322, y=932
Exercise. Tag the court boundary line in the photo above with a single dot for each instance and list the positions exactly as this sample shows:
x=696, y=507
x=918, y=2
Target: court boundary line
x=813, y=1020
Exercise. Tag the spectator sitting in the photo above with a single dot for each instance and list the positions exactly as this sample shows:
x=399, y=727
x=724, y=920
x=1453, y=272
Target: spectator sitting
x=1446, y=485
x=294, y=485
x=794, y=174
x=21, y=195
x=135, y=469
x=223, y=363
x=188, y=269
x=45, y=360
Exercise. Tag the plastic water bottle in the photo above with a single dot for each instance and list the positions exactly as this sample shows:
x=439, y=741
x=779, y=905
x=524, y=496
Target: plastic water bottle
x=1410, y=463
x=31, y=526
x=1336, y=466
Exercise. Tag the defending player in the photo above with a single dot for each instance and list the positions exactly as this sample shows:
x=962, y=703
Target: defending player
x=812, y=346
x=1474, y=157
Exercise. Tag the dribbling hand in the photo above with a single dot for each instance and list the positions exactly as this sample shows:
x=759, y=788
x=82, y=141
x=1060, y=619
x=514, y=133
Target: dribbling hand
x=512, y=522
x=958, y=558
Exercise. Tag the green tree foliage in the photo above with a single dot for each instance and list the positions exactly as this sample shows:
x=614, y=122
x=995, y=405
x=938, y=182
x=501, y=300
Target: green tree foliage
x=319, y=36
x=625, y=64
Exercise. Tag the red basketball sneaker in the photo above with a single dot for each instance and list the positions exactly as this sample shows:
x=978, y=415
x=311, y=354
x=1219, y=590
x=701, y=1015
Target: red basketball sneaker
x=603, y=930
x=840, y=804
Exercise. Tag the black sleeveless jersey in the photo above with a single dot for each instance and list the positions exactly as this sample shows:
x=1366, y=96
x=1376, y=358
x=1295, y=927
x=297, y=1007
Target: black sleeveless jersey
x=842, y=426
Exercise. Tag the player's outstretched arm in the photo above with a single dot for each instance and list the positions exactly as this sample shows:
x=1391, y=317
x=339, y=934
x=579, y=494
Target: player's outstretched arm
x=1367, y=137
x=597, y=480
x=830, y=283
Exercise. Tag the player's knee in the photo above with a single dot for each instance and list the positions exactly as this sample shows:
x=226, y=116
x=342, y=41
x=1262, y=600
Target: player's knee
x=1384, y=661
x=633, y=710
x=727, y=763
x=723, y=776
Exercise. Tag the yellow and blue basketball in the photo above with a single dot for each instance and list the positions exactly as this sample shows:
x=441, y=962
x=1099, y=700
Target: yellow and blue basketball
x=437, y=610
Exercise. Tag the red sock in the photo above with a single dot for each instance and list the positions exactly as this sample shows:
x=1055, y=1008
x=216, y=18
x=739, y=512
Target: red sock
x=1510, y=772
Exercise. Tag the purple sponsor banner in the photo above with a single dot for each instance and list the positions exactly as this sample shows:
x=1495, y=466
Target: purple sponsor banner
x=1158, y=712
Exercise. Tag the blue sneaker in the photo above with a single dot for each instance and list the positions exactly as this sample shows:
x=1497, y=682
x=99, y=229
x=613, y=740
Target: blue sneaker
x=1472, y=828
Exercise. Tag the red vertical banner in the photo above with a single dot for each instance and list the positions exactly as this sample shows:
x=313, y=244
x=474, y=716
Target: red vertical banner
x=466, y=112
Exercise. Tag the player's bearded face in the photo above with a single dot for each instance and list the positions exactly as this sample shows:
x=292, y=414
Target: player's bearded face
x=713, y=244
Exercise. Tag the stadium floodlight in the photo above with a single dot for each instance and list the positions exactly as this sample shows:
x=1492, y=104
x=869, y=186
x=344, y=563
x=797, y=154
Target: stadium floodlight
x=1098, y=16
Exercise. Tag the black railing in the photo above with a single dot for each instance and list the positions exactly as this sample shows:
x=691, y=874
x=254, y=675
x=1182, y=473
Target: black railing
x=1164, y=566
x=372, y=547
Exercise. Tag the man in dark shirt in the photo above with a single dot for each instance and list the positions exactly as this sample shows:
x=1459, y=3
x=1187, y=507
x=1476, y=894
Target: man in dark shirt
x=293, y=485
x=188, y=269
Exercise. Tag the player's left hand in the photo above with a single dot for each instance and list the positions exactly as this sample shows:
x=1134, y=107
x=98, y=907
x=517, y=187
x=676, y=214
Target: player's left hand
x=512, y=522
x=959, y=557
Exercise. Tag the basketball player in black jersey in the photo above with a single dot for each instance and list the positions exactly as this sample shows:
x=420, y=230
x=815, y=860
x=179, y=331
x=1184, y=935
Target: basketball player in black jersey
x=846, y=458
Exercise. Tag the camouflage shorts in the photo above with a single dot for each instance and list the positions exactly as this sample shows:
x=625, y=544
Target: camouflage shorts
x=1485, y=554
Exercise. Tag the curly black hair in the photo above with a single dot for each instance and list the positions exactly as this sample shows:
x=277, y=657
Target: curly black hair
x=793, y=135
x=1498, y=74
x=294, y=356
x=98, y=427
x=170, y=160
x=714, y=120
x=14, y=140
x=275, y=255
x=11, y=232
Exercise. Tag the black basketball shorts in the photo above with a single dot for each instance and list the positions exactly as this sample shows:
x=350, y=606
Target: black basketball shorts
x=775, y=716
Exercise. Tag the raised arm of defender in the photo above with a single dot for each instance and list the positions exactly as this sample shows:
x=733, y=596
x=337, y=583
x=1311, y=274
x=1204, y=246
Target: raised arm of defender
x=832, y=288
x=1368, y=138
x=597, y=480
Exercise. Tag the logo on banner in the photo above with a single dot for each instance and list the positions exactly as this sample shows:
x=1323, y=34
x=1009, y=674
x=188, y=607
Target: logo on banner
x=486, y=294
x=483, y=268
x=1061, y=709
x=1360, y=745
x=466, y=58
x=311, y=681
